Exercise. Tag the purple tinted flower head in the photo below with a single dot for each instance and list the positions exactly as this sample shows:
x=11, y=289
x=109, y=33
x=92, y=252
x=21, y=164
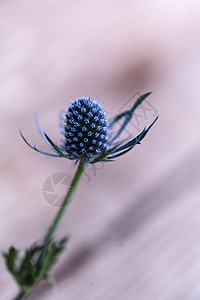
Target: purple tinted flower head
x=88, y=135
x=80, y=125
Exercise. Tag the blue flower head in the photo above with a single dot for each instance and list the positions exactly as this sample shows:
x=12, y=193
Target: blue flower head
x=88, y=134
x=85, y=128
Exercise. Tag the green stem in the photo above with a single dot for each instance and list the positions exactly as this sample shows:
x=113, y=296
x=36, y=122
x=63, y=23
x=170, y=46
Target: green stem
x=20, y=295
x=66, y=201
x=58, y=217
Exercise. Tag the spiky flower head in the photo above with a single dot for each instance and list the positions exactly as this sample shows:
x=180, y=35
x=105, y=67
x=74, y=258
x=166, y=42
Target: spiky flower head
x=88, y=135
x=85, y=129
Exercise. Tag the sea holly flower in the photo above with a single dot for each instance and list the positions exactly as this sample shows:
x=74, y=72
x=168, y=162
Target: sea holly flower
x=88, y=134
x=88, y=138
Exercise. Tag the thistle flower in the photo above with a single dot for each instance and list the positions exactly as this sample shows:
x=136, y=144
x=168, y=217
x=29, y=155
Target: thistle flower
x=88, y=138
x=88, y=134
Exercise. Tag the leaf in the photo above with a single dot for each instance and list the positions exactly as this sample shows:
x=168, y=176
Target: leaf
x=25, y=268
x=128, y=116
x=34, y=148
x=140, y=100
x=137, y=139
x=104, y=155
x=56, y=147
x=10, y=258
x=119, y=154
x=131, y=111
x=52, y=255
x=41, y=131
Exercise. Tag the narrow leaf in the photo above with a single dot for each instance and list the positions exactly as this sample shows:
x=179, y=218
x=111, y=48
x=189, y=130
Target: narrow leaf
x=140, y=100
x=104, y=155
x=137, y=139
x=56, y=147
x=127, y=115
x=41, y=131
x=34, y=148
x=119, y=154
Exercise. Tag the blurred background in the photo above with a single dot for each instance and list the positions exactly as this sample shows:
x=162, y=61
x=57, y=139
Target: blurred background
x=134, y=224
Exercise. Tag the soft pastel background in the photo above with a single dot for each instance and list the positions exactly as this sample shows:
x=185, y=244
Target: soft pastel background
x=135, y=223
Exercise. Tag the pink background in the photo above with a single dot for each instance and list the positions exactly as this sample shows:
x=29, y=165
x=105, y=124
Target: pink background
x=135, y=226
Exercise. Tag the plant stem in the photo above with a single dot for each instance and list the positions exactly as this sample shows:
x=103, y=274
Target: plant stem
x=66, y=201
x=50, y=232
x=20, y=295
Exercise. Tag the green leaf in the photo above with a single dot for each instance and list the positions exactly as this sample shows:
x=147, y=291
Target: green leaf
x=10, y=258
x=52, y=255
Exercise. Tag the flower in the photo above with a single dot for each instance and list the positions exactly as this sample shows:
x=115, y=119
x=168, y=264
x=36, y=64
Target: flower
x=85, y=128
x=88, y=134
